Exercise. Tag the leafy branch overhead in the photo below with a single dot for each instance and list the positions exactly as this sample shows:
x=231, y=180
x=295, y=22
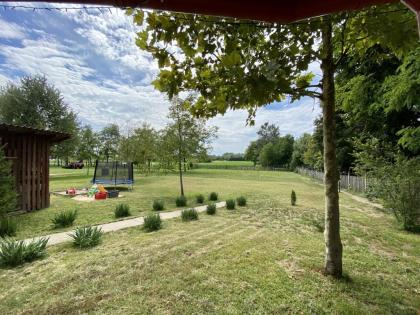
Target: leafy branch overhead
x=245, y=65
x=231, y=65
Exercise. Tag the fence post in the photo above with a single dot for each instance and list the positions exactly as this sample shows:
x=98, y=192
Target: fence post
x=348, y=179
x=365, y=182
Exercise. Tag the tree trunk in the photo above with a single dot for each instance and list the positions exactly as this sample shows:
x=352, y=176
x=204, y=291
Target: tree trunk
x=333, y=246
x=180, y=177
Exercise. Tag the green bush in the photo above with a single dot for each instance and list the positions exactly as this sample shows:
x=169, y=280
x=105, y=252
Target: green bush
x=8, y=226
x=158, y=205
x=241, y=201
x=230, y=204
x=64, y=218
x=293, y=198
x=122, y=210
x=211, y=209
x=14, y=253
x=213, y=196
x=397, y=184
x=199, y=198
x=152, y=222
x=189, y=215
x=181, y=201
x=86, y=237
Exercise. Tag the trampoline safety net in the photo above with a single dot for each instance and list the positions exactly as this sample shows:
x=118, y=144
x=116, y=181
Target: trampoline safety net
x=113, y=173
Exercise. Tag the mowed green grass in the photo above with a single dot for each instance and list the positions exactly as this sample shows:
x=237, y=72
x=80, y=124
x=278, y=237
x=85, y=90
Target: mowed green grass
x=228, y=183
x=231, y=163
x=261, y=259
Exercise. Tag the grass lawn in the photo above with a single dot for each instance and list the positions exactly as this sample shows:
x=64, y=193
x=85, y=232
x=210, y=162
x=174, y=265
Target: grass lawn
x=263, y=258
x=226, y=164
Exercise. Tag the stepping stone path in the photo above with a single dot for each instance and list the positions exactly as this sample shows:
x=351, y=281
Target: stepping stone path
x=58, y=238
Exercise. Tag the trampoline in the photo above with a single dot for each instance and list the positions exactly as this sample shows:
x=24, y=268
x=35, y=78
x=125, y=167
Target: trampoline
x=113, y=173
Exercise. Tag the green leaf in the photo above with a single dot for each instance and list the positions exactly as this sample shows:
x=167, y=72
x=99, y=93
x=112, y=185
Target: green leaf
x=129, y=11
x=139, y=17
x=141, y=40
x=231, y=59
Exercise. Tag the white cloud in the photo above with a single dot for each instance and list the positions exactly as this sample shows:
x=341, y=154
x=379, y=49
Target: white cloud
x=97, y=102
x=11, y=30
x=234, y=135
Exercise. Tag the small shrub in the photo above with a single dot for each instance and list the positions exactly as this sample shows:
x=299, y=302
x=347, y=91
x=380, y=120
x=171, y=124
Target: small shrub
x=211, y=209
x=152, y=222
x=64, y=218
x=213, y=196
x=158, y=205
x=241, y=201
x=8, y=227
x=86, y=237
x=181, y=201
x=230, y=204
x=199, y=198
x=122, y=210
x=14, y=253
x=293, y=198
x=189, y=215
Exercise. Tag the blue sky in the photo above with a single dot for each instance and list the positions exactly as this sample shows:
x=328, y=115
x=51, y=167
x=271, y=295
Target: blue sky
x=91, y=57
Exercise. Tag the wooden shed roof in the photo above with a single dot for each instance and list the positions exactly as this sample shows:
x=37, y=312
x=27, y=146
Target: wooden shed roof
x=53, y=136
x=284, y=11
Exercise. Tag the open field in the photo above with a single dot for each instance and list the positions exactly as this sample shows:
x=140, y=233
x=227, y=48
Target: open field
x=264, y=258
x=231, y=163
x=225, y=164
x=228, y=183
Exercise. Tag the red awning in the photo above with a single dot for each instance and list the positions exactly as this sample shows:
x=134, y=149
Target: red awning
x=262, y=10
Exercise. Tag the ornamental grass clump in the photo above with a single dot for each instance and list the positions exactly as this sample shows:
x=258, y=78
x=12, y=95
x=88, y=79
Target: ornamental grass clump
x=199, y=198
x=211, y=209
x=122, y=210
x=158, y=205
x=87, y=237
x=152, y=223
x=241, y=201
x=14, y=253
x=213, y=196
x=181, y=201
x=293, y=198
x=64, y=218
x=230, y=204
x=8, y=226
x=189, y=215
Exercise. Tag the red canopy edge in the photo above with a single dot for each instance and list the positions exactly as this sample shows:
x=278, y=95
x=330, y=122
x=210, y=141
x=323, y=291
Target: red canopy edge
x=284, y=11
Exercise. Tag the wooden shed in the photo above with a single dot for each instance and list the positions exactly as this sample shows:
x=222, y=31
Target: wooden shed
x=29, y=151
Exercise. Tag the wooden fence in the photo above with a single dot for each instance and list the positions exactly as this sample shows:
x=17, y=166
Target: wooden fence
x=346, y=181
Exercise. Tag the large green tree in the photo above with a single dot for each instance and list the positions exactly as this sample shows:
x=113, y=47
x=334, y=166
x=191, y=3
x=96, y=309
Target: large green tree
x=246, y=65
x=36, y=103
x=88, y=148
x=141, y=146
x=277, y=153
x=110, y=140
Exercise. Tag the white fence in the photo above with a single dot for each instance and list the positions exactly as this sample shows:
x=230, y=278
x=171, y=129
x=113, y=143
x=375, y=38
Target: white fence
x=346, y=181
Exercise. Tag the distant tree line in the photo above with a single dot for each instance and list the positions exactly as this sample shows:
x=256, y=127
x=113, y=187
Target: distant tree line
x=36, y=103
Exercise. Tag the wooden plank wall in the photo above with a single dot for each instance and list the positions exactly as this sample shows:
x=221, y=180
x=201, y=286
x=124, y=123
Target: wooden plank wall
x=30, y=159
